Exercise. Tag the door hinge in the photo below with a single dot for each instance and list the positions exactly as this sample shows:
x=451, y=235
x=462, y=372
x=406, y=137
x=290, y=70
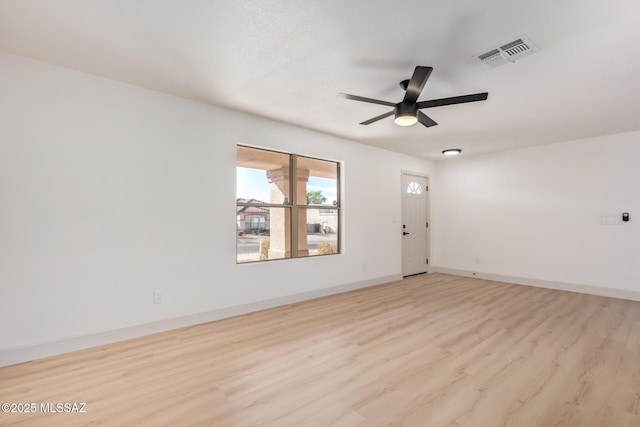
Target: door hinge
x=426, y=188
x=427, y=225
x=427, y=260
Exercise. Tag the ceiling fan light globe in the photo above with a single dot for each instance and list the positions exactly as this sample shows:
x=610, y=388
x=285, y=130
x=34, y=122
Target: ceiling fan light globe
x=407, y=120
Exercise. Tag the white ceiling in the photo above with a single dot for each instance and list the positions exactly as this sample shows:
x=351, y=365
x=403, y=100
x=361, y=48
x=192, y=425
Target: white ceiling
x=288, y=60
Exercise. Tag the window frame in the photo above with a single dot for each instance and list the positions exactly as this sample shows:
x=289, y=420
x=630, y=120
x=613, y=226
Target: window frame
x=294, y=205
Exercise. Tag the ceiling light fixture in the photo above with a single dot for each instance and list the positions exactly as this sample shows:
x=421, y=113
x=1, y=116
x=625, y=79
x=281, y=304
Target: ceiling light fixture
x=406, y=114
x=452, y=152
x=406, y=120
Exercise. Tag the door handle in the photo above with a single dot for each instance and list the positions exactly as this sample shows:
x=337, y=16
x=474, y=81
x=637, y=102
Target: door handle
x=404, y=233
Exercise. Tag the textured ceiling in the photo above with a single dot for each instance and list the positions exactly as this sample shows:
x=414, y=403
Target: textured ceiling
x=288, y=60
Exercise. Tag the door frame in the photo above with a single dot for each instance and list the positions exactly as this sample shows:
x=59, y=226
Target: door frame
x=427, y=199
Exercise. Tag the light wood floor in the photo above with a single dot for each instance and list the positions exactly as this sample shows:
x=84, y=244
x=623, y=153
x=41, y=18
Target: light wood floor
x=427, y=351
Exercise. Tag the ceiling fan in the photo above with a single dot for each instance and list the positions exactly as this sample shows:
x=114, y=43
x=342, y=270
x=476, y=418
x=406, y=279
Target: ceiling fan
x=407, y=111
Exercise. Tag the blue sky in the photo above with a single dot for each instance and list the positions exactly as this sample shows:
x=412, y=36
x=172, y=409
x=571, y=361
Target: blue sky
x=253, y=184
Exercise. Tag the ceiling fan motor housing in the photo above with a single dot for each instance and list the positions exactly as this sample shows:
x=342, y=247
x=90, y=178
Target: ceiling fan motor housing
x=406, y=109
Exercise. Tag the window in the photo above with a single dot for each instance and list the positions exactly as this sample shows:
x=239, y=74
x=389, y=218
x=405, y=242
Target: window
x=414, y=188
x=287, y=205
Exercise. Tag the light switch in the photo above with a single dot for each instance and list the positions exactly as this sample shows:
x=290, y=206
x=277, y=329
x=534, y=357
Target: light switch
x=611, y=220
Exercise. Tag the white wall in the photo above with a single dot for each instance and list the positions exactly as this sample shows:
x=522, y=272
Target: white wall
x=535, y=213
x=108, y=191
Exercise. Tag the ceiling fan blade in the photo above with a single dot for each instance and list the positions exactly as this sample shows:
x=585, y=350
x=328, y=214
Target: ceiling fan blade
x=453, y=100
x=376, y=118
x=363, y=99
x=419, y=78
x=425, y=120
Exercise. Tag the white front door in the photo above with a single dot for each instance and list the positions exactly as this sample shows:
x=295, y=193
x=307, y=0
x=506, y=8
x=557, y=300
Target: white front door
x=414, y=224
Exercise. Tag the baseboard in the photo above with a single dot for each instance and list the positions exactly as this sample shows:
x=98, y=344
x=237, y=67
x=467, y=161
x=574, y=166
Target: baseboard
x=562, y=286
x=11, y=356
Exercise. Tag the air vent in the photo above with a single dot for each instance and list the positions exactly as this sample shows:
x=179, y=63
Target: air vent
x=509, y=52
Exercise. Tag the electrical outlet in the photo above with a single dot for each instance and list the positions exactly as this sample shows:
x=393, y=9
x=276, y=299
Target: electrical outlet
x=158, y=296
